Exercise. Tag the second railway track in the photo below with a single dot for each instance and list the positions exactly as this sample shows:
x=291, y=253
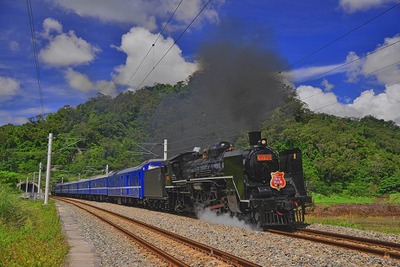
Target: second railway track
x=377, y=247
x=175, y=250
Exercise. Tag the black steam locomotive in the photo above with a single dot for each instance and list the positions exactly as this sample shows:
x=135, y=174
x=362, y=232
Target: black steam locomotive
x=255, y=185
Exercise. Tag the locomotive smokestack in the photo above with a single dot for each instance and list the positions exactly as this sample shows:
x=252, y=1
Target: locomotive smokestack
x=254, y=137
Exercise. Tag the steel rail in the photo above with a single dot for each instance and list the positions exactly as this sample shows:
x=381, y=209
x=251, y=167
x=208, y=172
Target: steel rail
x=368, y=241
x=224, y=256
x=171, y=260
x=377, y=247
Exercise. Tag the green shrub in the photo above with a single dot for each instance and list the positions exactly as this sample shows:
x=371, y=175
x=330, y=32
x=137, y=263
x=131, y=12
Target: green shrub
x=12, y=212
x=390, y=185
x=30, y=233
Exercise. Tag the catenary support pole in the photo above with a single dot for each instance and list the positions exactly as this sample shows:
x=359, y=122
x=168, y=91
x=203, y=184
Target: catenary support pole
x=165, y=149
x=40, y=176
x=46, y=191
x=33, y=186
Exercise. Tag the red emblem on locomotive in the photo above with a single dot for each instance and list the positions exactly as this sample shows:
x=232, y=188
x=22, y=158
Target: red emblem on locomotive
x=277, y=180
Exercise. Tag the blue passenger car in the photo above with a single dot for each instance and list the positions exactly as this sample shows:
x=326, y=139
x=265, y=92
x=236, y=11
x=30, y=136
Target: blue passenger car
x=125, y=186
x=99, y=185
x=64, y=188
x=73, y=188
x=83, y=187
x=129, y=182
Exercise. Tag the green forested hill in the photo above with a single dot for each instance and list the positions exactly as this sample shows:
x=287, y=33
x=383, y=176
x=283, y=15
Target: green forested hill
x=341, y=155
x=102, y=131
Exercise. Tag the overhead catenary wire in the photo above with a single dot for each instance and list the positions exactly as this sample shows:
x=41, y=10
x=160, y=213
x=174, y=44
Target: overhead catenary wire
x=394, y=83
x=350, y=62
x=335, y=103
x=233, y=124
x=369, y=73
x=235, y=135
x=250, y=87
x=152, y=46
x=246, y=89
x=333, y=41
x=340, y=37
x=347, y=63
x=35, y=54
x=175, y=42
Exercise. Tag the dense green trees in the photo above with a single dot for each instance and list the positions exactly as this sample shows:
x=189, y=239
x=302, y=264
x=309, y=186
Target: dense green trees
x=341, y=155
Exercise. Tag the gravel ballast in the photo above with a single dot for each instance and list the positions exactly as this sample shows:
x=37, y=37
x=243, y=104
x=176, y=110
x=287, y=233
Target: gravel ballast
x=263, y=248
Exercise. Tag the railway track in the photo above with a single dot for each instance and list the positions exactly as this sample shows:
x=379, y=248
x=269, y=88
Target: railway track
x=377, y=247
x=173, y=249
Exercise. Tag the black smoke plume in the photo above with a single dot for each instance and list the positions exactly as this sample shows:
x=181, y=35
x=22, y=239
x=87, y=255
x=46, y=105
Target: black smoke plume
x=235, y=90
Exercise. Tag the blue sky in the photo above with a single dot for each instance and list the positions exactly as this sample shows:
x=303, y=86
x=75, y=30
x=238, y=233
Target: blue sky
x=342, y=56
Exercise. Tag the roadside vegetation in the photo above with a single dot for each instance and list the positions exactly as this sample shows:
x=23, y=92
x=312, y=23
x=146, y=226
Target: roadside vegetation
x=351, y=217
x=389, y=225
x=339, y=199
x=30, y=233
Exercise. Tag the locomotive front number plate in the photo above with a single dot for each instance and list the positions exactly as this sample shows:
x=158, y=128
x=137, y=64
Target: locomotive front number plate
x=264, y=157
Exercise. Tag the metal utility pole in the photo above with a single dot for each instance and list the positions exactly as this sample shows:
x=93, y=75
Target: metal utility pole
x=165, y=149
x=46, y=191
x=33, y=186
x=40, y=176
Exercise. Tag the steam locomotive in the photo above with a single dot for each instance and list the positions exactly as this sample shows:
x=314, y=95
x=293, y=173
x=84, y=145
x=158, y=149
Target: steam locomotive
x=256, y=185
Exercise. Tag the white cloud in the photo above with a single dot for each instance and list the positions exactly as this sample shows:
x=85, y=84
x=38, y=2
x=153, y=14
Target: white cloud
x=136, y=43
x=385, y=105
x=328, y=87
x=51, y=25
x=141, y=13
x=82, y=83
x=20, y=116
x=78, y=81
x=351, y=6
x=8, y=88
x=382, y=106
x=385, y=63
x=65, y=49
x=6, y=117
x=306, y=73
x=354, y=68
x=316, y=98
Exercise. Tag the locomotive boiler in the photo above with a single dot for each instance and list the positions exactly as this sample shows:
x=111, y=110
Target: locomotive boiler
x=256, y=185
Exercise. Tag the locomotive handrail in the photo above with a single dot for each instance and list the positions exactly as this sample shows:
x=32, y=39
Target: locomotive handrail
x=203, y=179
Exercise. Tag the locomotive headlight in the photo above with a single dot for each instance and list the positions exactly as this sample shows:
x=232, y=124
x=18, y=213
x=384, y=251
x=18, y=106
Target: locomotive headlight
x=264, y=142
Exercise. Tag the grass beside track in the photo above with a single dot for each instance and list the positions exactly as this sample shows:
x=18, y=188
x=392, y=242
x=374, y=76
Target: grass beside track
x=389, y=225
x=336, y=199
x=30, y=233
x=385, y=224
